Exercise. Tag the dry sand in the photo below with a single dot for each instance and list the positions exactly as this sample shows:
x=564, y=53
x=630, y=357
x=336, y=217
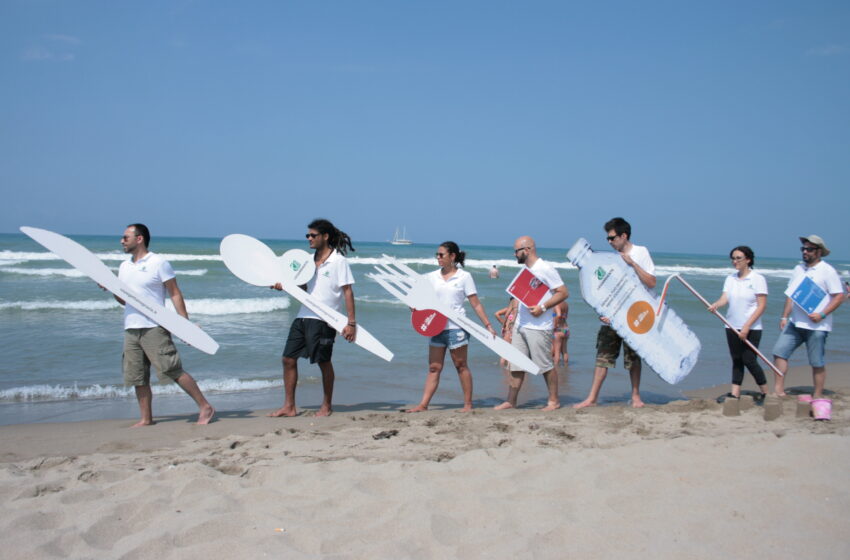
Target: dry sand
x=674, y=481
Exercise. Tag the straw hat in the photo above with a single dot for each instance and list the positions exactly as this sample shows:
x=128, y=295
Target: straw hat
x=816, y=240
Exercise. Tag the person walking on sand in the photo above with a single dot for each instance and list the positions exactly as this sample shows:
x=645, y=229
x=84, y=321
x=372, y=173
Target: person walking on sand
x=533, y=331
x=798, y=327
x=145, y=342
x=608, y=342
x=309, y=336
x=452, y=285
x=746, y=293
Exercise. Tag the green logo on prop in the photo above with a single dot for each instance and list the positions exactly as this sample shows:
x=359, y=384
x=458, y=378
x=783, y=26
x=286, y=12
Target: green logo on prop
x=600, y=273
x=295, y=266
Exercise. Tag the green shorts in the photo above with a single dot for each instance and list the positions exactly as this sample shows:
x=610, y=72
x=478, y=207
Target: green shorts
x=608, y=349
x=143, y=347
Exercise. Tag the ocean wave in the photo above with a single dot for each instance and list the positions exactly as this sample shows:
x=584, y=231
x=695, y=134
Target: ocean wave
x=195, y=306
x=667, y=270
x=74, y=273
x=41, y=393
x=22, y=256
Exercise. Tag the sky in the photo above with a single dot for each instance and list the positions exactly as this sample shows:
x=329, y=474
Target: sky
x=705, y=124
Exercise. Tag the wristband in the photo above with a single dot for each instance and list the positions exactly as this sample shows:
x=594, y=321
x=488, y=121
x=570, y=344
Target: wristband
x=822, y=315
x=784, y=319
x=543, y=307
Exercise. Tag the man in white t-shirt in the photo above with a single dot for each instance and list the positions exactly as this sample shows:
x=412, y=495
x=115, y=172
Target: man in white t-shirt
x=608, y=342
x=534, y=328
x=309, y=336
x=798, y=327
x=145, y=342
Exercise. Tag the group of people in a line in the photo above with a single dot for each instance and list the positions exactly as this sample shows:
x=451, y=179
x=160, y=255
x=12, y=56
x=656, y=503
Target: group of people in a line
x=539, y=332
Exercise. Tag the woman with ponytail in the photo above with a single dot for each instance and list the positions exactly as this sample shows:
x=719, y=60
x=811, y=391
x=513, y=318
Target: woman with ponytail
x=453, y=286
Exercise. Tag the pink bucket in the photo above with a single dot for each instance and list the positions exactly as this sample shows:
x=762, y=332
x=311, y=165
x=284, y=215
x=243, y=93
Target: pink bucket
x=804, y=398
x=822, y=409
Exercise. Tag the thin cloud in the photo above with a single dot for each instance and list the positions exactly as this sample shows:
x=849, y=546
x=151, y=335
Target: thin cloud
x=53, y=47
x=831, y=50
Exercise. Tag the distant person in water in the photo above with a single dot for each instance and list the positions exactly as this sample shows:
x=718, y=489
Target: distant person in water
x=145, y=342
x=453, y=286
x=494, y=272
x=561, y=334
x=309, y=336
x=745, y=291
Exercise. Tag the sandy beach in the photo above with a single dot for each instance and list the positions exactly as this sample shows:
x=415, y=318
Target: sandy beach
x=679, y=480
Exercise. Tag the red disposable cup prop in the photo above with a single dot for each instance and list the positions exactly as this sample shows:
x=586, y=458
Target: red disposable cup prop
x=428, y=322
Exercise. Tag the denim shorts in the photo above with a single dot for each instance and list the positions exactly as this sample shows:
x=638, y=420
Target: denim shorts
x=453, y=338
x=792, y=336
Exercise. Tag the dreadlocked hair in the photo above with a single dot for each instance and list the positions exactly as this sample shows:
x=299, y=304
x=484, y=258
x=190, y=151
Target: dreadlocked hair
x=337, y=239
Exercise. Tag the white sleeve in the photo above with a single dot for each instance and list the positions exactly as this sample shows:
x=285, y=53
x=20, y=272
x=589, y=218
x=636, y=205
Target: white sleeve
x=166, y=273
x=760, y=284
x=344, y=275
x=469, y=285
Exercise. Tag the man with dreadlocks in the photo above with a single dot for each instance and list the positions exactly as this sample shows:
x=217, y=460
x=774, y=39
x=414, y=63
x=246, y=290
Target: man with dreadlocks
x=309, y=336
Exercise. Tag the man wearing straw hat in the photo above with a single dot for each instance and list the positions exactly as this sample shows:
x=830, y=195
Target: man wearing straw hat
x=799, y=327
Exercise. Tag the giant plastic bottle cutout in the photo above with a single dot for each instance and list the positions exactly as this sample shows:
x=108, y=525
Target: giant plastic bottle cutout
x=612, y=288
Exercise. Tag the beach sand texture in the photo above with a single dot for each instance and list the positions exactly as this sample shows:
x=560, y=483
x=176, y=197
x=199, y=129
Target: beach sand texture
x=672, y=481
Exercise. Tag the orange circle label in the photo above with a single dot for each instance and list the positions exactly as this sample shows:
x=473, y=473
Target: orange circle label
x=640, y=317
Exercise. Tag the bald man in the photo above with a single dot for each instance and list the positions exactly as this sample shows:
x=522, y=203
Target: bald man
x=534, y=326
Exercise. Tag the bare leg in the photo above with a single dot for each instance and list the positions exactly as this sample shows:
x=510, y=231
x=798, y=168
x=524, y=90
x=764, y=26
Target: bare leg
x=465, y=376
x=564, y=351
x=436, y=356
x=290, y=380
x=599, y=375
x=328, y=378
x=779, y=380
x=736, y=390
x=554, y=401
x=819, y=380
x=145, y=398
x=205, y=409
x=634, y=374
x=517, y=377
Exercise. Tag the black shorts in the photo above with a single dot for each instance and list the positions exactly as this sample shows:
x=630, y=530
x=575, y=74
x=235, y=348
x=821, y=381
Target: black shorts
x=310, y=338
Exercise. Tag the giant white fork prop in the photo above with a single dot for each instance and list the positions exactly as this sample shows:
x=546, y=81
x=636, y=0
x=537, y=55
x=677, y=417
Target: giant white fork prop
x=252, y=261
x=415, y=291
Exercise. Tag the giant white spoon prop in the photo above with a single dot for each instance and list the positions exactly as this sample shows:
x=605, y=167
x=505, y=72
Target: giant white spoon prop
x=86, y=262
x=414, y=290
x=252, y=261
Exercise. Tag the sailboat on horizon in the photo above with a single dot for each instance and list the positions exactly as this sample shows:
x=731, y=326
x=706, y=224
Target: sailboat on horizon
x=401, y=239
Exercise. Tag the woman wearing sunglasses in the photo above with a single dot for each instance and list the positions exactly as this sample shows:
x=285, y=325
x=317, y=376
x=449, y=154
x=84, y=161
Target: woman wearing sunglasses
x=453, y=286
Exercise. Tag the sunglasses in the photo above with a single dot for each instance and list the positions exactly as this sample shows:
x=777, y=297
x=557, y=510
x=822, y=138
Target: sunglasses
x=611, y=238
x=311, y=235
x=520, y=249
x=809, y=249
x=440, y=255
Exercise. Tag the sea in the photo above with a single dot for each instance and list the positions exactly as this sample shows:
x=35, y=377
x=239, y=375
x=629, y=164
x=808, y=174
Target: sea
x=62, y=335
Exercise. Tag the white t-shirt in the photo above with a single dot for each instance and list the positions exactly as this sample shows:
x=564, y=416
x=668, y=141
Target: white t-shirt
x=741, y=293
x=640, y=255
x=454, y=291
x=547, y=274
x=326, y=285
x=147, y=276
x=827, y=278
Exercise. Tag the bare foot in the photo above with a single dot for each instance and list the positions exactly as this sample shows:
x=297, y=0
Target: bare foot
x=417, y=408
x=142, y=423
x=585, y=404
x=782, y=394
x=324, y=411
x=637, y=403
x=551, y=406
x=504, y=406
x=285, y=411
x=206, y=415
x=466, y=408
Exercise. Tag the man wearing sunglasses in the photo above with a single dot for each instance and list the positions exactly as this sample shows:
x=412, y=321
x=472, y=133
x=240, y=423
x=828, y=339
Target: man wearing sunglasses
x=608, y=342
x=799, y=327
x=309, y=336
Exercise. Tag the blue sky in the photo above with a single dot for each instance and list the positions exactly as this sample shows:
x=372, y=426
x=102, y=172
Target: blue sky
x=706, y=125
